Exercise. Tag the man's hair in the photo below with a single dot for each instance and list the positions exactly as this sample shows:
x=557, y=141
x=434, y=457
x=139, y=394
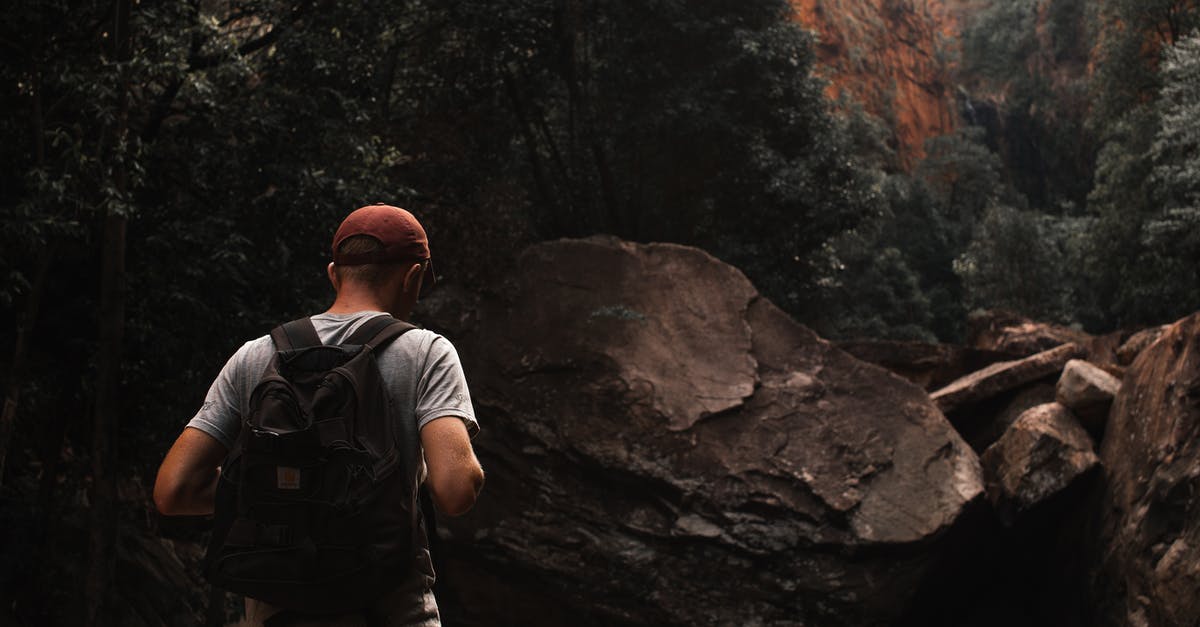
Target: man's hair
x=370, y=274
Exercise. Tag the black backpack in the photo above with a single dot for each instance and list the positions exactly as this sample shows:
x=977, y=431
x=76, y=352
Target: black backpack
x=316, y=508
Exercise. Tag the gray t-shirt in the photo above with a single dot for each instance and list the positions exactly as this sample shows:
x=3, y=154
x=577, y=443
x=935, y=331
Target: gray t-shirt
x=424, y=378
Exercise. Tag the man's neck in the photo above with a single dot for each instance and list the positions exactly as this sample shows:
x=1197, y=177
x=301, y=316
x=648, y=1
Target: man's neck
x=348, y=304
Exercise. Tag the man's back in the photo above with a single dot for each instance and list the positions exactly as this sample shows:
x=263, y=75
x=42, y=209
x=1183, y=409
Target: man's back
x=381, y=262
x=424, y=381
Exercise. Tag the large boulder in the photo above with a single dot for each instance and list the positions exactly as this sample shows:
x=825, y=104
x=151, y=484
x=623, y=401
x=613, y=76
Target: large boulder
x=1040, y=455
x=1148, y=545
x=666, y=447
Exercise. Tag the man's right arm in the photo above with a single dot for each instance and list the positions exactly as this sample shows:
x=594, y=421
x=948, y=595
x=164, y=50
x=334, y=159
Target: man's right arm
x=455, y=476
x=187, y=479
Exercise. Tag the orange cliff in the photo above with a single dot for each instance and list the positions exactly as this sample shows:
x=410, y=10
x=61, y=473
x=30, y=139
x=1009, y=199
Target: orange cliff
x=895, y=58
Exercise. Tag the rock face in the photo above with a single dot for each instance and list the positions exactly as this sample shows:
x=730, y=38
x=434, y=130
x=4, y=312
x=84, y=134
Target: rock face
x=1087, y=391
x=1148, y=571
x=1040, y=455
x=1004, y=376
x=890, y=56
x=666, y=447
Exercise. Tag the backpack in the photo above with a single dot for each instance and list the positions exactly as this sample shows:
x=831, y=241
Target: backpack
x=316, y=506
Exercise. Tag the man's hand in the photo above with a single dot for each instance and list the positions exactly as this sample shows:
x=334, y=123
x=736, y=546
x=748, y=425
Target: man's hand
x=455, y=476
x=187, y=480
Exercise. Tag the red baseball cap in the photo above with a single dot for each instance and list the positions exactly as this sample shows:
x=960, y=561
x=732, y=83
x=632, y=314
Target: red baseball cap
x=402, y=236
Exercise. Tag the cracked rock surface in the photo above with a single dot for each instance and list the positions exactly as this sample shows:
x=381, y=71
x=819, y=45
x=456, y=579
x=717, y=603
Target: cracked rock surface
x=1148, y=545
x=1040, y=455
x=666, y=447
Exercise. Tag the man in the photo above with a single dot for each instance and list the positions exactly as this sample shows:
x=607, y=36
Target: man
x=381, y=262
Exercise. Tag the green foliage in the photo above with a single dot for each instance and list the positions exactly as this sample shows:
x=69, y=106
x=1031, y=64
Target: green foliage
x=1176, y=148
x=883, y=271
x=966, y=178
x=999, y=39
x=1171, y=233
x=1135, y=34
x=1141, y=254
x=1019, y=261
x=893, y=275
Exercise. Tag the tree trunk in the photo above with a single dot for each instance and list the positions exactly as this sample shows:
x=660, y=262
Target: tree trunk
x=103, y=523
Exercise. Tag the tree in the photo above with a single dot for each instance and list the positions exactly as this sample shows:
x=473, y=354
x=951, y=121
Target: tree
x=966, y=177
x=1018, y=261
x=891, y=276
x=1135, y=279
x=1172, y=233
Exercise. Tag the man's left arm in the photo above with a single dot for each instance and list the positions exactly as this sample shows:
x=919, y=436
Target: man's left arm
x=446, y=421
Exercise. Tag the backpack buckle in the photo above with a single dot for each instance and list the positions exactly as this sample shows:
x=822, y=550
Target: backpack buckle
x=265, y=441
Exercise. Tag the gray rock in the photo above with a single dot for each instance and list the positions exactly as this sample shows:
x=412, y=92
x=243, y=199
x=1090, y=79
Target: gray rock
x=1040, y=455
x=1004, y=376
x=1088, y=391
x=666, y=447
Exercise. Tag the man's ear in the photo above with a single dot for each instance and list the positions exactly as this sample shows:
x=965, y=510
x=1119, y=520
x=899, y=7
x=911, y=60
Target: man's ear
x=412, y=278
x=334, y=279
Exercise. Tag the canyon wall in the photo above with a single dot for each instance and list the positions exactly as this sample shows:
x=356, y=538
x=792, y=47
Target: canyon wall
x=907, y=63
x=895, y=58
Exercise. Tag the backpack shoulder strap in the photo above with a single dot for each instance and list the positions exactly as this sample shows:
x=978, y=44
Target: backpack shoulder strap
x=295, y=334
x=379, y=331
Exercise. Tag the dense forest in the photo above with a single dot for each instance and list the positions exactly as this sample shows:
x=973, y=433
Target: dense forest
x=172, y=173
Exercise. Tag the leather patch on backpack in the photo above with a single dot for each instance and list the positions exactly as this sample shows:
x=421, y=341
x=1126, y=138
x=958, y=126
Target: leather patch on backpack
x=287, y=478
